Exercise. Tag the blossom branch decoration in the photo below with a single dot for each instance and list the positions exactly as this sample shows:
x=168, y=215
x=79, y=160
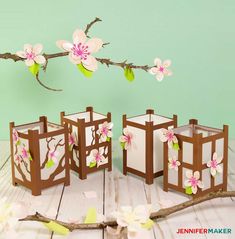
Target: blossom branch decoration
x=79, y=53
x=160, y=214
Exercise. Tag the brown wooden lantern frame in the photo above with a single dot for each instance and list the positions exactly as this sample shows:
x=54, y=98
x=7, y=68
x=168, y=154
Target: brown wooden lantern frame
x=33, y=137
x=149, y=128
x=82, y=150
x=197, y=140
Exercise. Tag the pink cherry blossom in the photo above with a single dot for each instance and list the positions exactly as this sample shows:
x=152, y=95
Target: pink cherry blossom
x=72, y=140
x=32, y=54
x=160, y=69
x=126, y=139
x=80, y=50
x=52, y=155
x=193, y=181
x=15, y=136
x=105, y=131
x=18, y=160
x=168, y=136
x=25, y=154
x=214, y=164
x=173, y=163
x=97, y=156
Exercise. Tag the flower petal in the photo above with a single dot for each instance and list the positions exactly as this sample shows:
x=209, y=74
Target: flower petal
x=40, y=59
x=29, y=62
x=219, y=169
x=159, y=76
x=37, y=49
x=90, y=63
x=196, y=175
x=74, y=59
x=189, y=174
x=167, y=63
x=79, y=36
x=187, y=183
x=67, y=46
x=215, y=155
x=94, y=44
x=219, y=159
x=122, y=139
x=194, y=189
x=153, y=70
x=157, y=62
x=208, y=164
x=200, y=184
x=28, y=48
x=21, y=54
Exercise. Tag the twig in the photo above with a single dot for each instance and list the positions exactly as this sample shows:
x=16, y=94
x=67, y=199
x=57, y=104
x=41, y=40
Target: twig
x=91, y=24
x=43, y=85
x=162, y=213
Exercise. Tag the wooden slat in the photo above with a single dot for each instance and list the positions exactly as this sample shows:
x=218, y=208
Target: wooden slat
x=74, y=204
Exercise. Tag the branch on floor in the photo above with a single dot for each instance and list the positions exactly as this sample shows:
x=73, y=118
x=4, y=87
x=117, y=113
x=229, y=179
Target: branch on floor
x=162, y=213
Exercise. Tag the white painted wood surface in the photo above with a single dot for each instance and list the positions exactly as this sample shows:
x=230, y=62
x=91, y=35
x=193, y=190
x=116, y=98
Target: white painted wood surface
x=114, y=190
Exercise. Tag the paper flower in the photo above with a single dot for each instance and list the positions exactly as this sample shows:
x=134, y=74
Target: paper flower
x=80, y=51
x=214, y=164
x=32, y=54
x=134, y=219
x=193, y=182
x=160, y=69
x=96, y=157
x=72, y=140
x=25, y=153
x=52, y=158
x=9, y=215
x=18, y=160
x=126, y=139
x=169, y=137
x=173, y=163
x=15, y=137
x=105, y=131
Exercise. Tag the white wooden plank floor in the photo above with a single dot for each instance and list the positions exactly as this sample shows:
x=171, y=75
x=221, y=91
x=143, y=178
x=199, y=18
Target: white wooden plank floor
x=114, y=190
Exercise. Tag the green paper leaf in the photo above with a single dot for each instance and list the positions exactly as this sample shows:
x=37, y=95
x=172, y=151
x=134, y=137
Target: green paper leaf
x=34, y=69
x=108, y=139
x=18, y=143
x=57, y=228
x=92, y=164
x=49, y=163
x=129, y=74
x=122, y=145
x=176, y=146
x=148, y=225
x=84, y=71
x=91, y=216
x=71, y=147
x=188, y=190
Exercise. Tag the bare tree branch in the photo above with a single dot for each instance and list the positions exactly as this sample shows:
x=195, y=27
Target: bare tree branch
x=162, y=213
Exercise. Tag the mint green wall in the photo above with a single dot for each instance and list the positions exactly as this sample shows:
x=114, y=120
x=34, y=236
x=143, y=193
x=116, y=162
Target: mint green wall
x=198, y=36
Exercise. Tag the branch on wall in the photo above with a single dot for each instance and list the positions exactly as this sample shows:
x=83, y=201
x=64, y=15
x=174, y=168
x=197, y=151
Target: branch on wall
x=105, y=61
x=162, y=213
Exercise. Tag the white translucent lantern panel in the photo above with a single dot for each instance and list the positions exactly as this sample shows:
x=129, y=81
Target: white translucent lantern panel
x=188, y=153
x=156, y=119
x=157, y=152
x=184, y=178
x=90, y=158
x=206, y=152
x=136, y=154
x=219, y=176
x=24, y=167
x=90, y=135
x=173, y=176
x=76, y=157
x=49, y=146
x=219, y=147
x=206, y=178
